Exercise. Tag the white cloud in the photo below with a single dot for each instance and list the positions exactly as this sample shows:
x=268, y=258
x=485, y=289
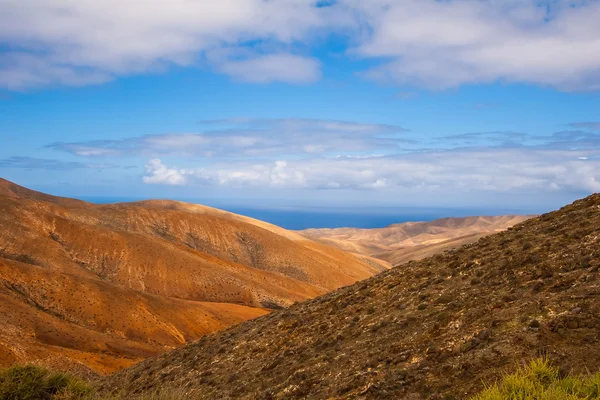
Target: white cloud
x=276, y=174
x=158, y=173
x=282, y=176
x=274, y=68
x=442, y=44
x=23, y=70
x=91, y=41
x=227, y=177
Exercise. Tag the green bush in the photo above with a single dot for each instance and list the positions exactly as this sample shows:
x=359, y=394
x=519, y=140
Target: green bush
x=540, y=381
x=31, y=382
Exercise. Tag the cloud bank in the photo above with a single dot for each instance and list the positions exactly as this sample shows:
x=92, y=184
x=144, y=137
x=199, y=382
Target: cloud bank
x=434, y=172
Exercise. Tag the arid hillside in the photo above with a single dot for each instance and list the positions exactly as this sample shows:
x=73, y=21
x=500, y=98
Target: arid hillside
x=399, y=243
x=100, y=287
x=431, y=329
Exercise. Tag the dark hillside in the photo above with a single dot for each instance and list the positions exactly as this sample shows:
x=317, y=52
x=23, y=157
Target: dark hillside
x=435, y=328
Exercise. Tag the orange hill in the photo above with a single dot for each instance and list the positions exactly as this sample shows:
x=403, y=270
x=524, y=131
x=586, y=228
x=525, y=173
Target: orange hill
x=100, y=287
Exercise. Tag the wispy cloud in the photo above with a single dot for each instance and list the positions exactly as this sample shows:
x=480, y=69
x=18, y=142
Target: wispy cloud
x=572, y=140
x=245, y=137
x=478, y=138
x=563, y=140
x=49, y=164
x=585, y=125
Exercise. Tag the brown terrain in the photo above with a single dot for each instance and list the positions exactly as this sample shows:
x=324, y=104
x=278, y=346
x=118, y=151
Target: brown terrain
x=97, y=288
x=399, y=243
x=438, y=328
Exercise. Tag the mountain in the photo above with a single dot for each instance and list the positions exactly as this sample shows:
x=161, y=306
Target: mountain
x=399, y=243
x=100, y=287
x=430, y=329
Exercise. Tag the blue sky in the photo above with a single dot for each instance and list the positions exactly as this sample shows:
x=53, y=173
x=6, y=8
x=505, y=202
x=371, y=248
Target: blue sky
x=290, y=103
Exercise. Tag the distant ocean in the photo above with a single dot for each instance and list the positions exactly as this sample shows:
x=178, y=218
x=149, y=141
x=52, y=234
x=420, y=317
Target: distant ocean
x=297, y=219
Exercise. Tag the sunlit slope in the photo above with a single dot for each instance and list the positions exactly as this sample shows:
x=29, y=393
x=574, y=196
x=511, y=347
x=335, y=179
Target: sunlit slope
x=136, y=279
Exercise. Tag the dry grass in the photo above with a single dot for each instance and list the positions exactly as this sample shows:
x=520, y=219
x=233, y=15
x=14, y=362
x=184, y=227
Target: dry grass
x=540, y=380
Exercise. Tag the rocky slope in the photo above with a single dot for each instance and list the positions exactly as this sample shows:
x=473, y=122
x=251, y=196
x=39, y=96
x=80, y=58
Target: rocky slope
x=432, y=329
x=104, y=286
x=399, y=243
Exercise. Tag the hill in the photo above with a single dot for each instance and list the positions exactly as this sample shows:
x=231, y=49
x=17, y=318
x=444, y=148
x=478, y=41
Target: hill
x=99, y=287
x=14, y=191
x=430, y=329
x=399, y=243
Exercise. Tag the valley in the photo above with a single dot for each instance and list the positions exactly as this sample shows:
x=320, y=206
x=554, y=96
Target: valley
x=438, y=328
x=162, y=294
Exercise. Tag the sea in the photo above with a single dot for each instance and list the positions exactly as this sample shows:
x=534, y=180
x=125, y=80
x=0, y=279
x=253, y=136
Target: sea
x=313, y=217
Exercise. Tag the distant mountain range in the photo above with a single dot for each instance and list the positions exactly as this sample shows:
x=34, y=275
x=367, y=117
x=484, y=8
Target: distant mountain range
x=408, y=241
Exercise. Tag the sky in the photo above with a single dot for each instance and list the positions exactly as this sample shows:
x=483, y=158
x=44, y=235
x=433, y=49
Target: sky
x=297, y=104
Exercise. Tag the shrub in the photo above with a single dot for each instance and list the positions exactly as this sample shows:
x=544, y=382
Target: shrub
x=30, y=382
x=541, y=381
